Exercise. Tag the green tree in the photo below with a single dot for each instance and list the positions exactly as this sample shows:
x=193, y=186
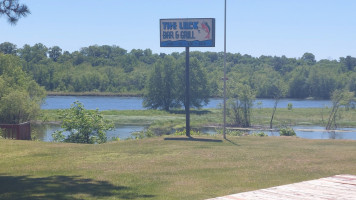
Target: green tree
x=13, y=10
x=54, y=53
x=161, y=86
x=298, y=87
x=339, y=98
x=84, y=126
x=321, y=82
x=279, y=91
x=34, y=54
x=199, y=86
x=8, y=48
x=20, y=96
x=349, y=63
x=239, y=106
x=308, y=58
x=265, y=81
x=17, y=107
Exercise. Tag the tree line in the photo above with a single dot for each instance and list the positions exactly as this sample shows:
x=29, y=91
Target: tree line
x=113, y=69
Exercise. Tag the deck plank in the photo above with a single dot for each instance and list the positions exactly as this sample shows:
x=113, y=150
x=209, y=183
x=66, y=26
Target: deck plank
x=339, y=187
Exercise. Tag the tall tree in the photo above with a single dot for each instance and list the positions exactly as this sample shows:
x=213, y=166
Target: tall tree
x=13, y=10
x=349, y=63
x=199, y=90
x=339, y=98
x=161, y=86
x=54, y=53
x=20, y=96
x=308, y=58
x=33, y=54
x=8, y=48
x=298, y=87
x=279, y=90
x=241, y=98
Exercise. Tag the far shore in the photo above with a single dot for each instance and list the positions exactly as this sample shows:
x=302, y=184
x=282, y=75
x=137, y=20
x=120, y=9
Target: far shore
x=94, y=94
x=113, y=94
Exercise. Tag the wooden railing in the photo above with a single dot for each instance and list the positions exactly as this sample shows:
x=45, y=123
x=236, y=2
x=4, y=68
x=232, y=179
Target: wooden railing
x=16, y=131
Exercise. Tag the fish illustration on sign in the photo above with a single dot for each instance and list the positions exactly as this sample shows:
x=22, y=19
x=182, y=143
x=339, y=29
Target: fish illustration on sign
x=205, y=26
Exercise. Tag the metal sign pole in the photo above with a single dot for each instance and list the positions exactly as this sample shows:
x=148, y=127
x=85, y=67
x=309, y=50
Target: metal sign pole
x=187, y=32
x=187, y=94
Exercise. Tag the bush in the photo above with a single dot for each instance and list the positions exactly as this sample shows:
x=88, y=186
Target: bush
x=235, y=133
x=287, y=132
x=260, y=134
x=142, y=134
x=84, y=126
x=290, y=106
x=231, y=132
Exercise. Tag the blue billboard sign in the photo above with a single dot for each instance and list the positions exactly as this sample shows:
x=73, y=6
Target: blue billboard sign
x=189, y=32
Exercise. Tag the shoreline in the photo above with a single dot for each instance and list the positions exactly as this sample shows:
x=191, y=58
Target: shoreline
x=113, y=94
x=108, y=94
x=264, y=128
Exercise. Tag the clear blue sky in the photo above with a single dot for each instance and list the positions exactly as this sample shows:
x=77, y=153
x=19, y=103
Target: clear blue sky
x=326, y=28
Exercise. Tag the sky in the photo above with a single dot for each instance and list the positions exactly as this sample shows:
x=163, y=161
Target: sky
x=326, y=28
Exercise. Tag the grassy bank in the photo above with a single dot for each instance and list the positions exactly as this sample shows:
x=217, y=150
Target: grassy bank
x=165, y=121
x=166, y=169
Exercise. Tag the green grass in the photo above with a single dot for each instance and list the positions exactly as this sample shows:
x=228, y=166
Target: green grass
x=156, y=168
x=300, y=116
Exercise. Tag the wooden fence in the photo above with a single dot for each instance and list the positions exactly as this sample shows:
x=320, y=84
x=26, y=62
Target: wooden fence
x=16, y=131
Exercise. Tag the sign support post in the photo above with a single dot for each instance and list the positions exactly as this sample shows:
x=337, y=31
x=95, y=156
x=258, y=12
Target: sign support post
x=187, y=93
x=187, y=32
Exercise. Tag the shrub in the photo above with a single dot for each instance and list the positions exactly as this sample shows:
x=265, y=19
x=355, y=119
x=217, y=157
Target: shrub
x=142, y=134
x=235, y=133
x=290, y=106
x=84, y=126
x=287, y=132
x=260, y=134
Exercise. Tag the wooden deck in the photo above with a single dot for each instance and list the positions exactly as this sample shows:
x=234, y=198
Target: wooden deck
x=333, y=188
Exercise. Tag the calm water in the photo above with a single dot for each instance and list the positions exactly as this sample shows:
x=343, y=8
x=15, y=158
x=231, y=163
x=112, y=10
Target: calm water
x=135, y=103
x=44, y=132
x=318, y=132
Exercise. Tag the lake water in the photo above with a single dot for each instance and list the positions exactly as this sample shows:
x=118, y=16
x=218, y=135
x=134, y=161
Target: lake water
x=308, y=132
x=44, y=132
x=135, y=103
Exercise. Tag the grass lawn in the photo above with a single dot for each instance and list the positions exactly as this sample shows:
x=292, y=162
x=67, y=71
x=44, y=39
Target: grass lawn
x=156, y=168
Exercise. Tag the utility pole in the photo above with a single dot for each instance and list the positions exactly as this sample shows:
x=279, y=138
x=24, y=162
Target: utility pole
x=187, y=93
x=225, y=71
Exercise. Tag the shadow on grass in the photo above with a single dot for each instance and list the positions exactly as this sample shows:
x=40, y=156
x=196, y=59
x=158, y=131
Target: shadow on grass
x=197, y=112
x=193, y=139
x=62, y=188
x=234, y=143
